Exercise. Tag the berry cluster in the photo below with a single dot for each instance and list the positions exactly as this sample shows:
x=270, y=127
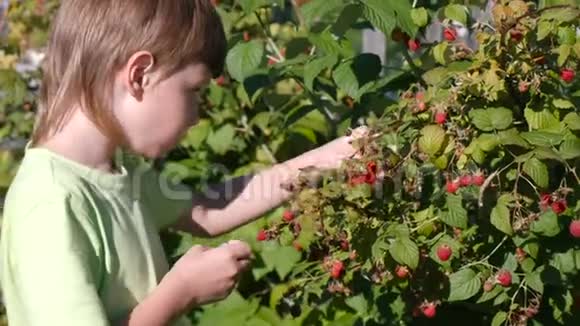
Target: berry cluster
x=452, y=186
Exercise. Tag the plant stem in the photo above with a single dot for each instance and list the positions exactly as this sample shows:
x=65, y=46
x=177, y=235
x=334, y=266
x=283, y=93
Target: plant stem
x=484, y=260
x=269, y=38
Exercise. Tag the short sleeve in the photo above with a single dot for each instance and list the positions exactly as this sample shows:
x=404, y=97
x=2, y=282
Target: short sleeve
x=53, y=270
x=165, y=196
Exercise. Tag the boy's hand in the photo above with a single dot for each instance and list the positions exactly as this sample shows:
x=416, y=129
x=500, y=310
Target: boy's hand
x=205, y=275
x=330, y=155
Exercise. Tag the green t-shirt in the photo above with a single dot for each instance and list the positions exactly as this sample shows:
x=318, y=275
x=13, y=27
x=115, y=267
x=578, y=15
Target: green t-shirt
x=80, y=246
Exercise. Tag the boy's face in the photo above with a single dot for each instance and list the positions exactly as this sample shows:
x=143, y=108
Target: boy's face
x=158, y=115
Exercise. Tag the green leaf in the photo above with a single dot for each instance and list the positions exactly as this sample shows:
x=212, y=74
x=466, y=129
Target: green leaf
x=488, y=142
x=385, y=15
x=244, y=58
x=455, y=215
x=432, y=139
x=222, y=140
x=198, y=133
x=543, y=153
x=352, y=75
x=499, y=318
x=313, y=68
x=405, y=252
x=541, y=119
x=277, y=293
x=491, y=119
x=486, y=296
x=563, y=54
x=544, y=29
x=570, y=148
x=501, y=118
x=379, y=15
x=420, y=16
x=565, y=262
x=547, y=225
x=567, y=35
x=512, y=137
x=282, y=259
x=572, y=120
x=537, y=171
x=457, y=13
x=542, y=138
x=560, y=14
x=358, y=303
x=436, y=76
x=250, y=6
x=562, y=103
x=500, y=217
x=441, y=53
x=511, y=263
x=318, y=9
x=349, y=15
x=463, y=285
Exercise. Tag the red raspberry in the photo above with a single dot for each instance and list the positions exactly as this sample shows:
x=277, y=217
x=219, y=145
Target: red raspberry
x=450, y=34
x=478, y=180
x=559, y=206
x=372, y=167
x=420, y=96
x=452, y=186
x=429, y=310
x=344, y=245
x=220, y=81
x=567, y=75
x=288, y=216
x=414, y=45
x=516, y=35
x=440, y=117
x=504, y=278
x=262, y=235
x=337, y=269
x=247, y=36
x=402, y=271
x=370, y=178
x=465, y=180
x=575, y=229
x=520, y=254
x=444, y=252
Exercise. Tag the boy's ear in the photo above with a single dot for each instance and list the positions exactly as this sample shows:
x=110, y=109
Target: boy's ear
x=138, y=72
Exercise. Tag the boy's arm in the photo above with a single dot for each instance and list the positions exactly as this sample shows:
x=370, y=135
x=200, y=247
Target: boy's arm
x=229, y=205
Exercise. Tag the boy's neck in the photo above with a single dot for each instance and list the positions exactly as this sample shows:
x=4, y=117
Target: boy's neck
x=81, y=141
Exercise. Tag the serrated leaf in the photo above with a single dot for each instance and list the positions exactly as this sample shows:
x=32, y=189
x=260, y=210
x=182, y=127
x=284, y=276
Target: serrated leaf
x=463, y=285
x=501, y=118
x=318, y=9
x=488, y=142
x=352, y=75
x=512, y=137
x=436, y=76
x=358, y=303
x=541, y=119
x=546, y=153
x=544, y=29
x=499, y=318
x=563, y=54
x=457, y=13
x=420, y=16
x=547, y=225
x=570, y=149
x=405, y=252
x=455, y=215
x=221, y=140
x=441, y=53
x=313, y=68
x=277, y=293
x=572, y=120
x=282, y=259
x=542, y=138
x=500, y=218
x=486, y=296
x=481, y=119
x=381, y=17
x=244, y=58
x=537, y=171
x=560, y=14
x=432, y=139
x=567, y=35
x=511, y=263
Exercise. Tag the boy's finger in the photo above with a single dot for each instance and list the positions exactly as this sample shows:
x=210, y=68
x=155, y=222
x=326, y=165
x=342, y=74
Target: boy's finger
x=198, y=249
x=240, y=249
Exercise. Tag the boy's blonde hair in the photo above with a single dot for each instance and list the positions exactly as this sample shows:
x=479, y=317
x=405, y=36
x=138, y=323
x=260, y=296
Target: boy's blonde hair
x=92, y=39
